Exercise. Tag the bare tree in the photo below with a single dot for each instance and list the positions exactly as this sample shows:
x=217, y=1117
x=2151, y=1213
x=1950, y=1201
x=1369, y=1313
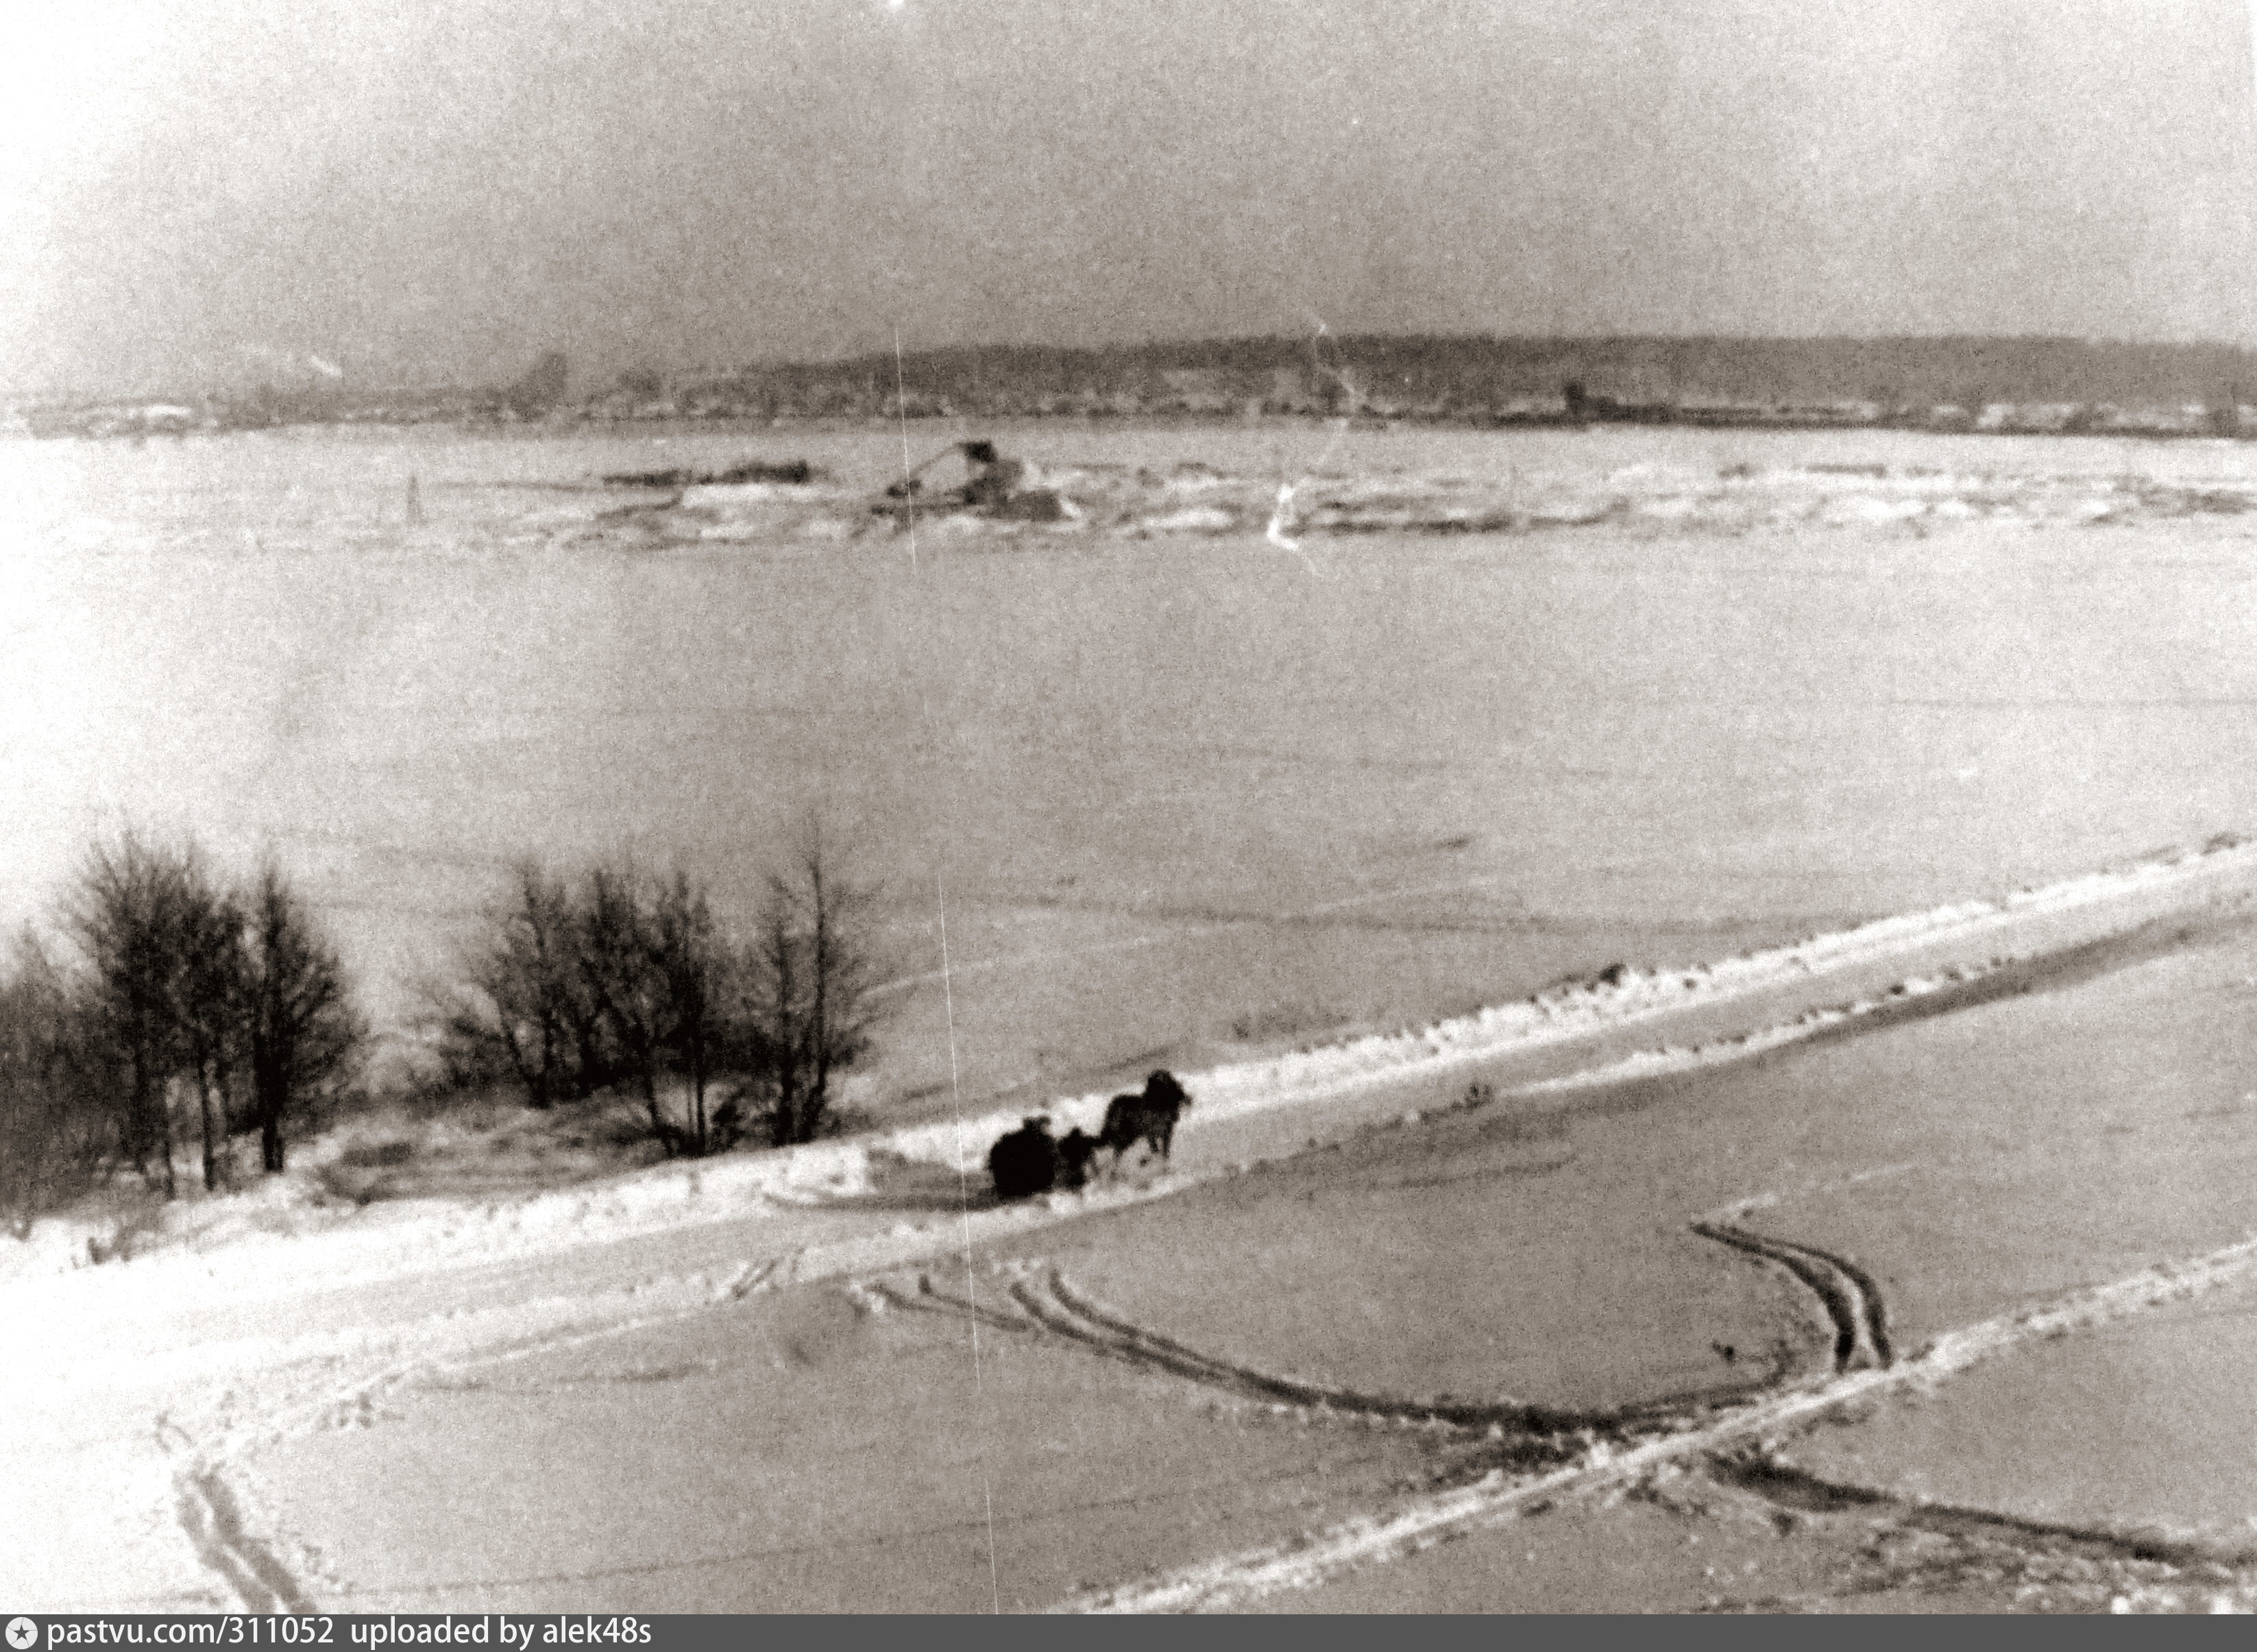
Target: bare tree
x=808, y=972
x=129, y=917
x=525, y=1005
x=184, y=984
x=164, y=947
x=620, y=978
x=697, y=971
x=299, y=1026
x=661, y=971
x=208, y=991
x=619, y=965
x=56, y=1131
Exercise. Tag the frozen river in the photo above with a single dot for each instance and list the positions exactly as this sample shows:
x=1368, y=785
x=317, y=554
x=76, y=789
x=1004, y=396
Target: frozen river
x=1476, y=710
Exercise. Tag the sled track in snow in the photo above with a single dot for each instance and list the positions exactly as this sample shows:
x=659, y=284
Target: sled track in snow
x=208, y=1514
x=1059, y=1308
x=1786, y=1487
x=1227, y=1581
x=1048, y=1303
x=206, y=1506
x=1852, y=1301
x=1561, y=1453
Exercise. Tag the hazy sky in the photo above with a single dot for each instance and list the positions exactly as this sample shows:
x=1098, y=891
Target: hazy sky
x=426, y=189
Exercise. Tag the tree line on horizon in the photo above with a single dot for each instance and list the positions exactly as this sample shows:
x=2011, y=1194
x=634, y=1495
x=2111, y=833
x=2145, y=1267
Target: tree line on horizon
x=1462, y=374
x=1890, y=372
x=172, y=1012
x=1458, y=376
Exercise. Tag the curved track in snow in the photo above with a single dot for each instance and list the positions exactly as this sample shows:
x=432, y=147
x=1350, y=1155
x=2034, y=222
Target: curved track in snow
x=1228, y=1581
x=1852, y=1301
x=1045, y=1302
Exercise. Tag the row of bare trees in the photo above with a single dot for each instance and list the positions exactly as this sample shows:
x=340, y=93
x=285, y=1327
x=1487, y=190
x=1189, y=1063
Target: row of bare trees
x=176, y=1013
x=620, y=980
x=176, y=1000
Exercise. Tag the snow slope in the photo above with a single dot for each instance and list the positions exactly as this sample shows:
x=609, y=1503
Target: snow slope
x=254, y=1342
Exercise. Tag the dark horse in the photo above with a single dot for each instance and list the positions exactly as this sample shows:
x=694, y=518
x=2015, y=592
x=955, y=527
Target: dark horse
x=1149, y=1117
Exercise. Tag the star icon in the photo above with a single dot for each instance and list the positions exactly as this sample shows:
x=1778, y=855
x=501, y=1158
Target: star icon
x=21, y=1633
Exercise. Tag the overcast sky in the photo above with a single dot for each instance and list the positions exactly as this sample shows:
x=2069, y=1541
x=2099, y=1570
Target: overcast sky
x=429, y=189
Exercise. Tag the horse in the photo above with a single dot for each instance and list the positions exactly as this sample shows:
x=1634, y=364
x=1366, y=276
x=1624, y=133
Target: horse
x=1150, y=1115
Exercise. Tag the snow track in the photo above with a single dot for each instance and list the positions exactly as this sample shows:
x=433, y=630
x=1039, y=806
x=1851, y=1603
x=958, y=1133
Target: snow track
x=210, y=1515
x=342, y=1388
x=1798, y=1490
x=1219, y=1585
x=1056, y=1306
x=1852, y=1301
x=1045, y=1302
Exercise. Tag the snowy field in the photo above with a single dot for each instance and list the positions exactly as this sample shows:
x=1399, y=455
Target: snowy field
x=1339, y=808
